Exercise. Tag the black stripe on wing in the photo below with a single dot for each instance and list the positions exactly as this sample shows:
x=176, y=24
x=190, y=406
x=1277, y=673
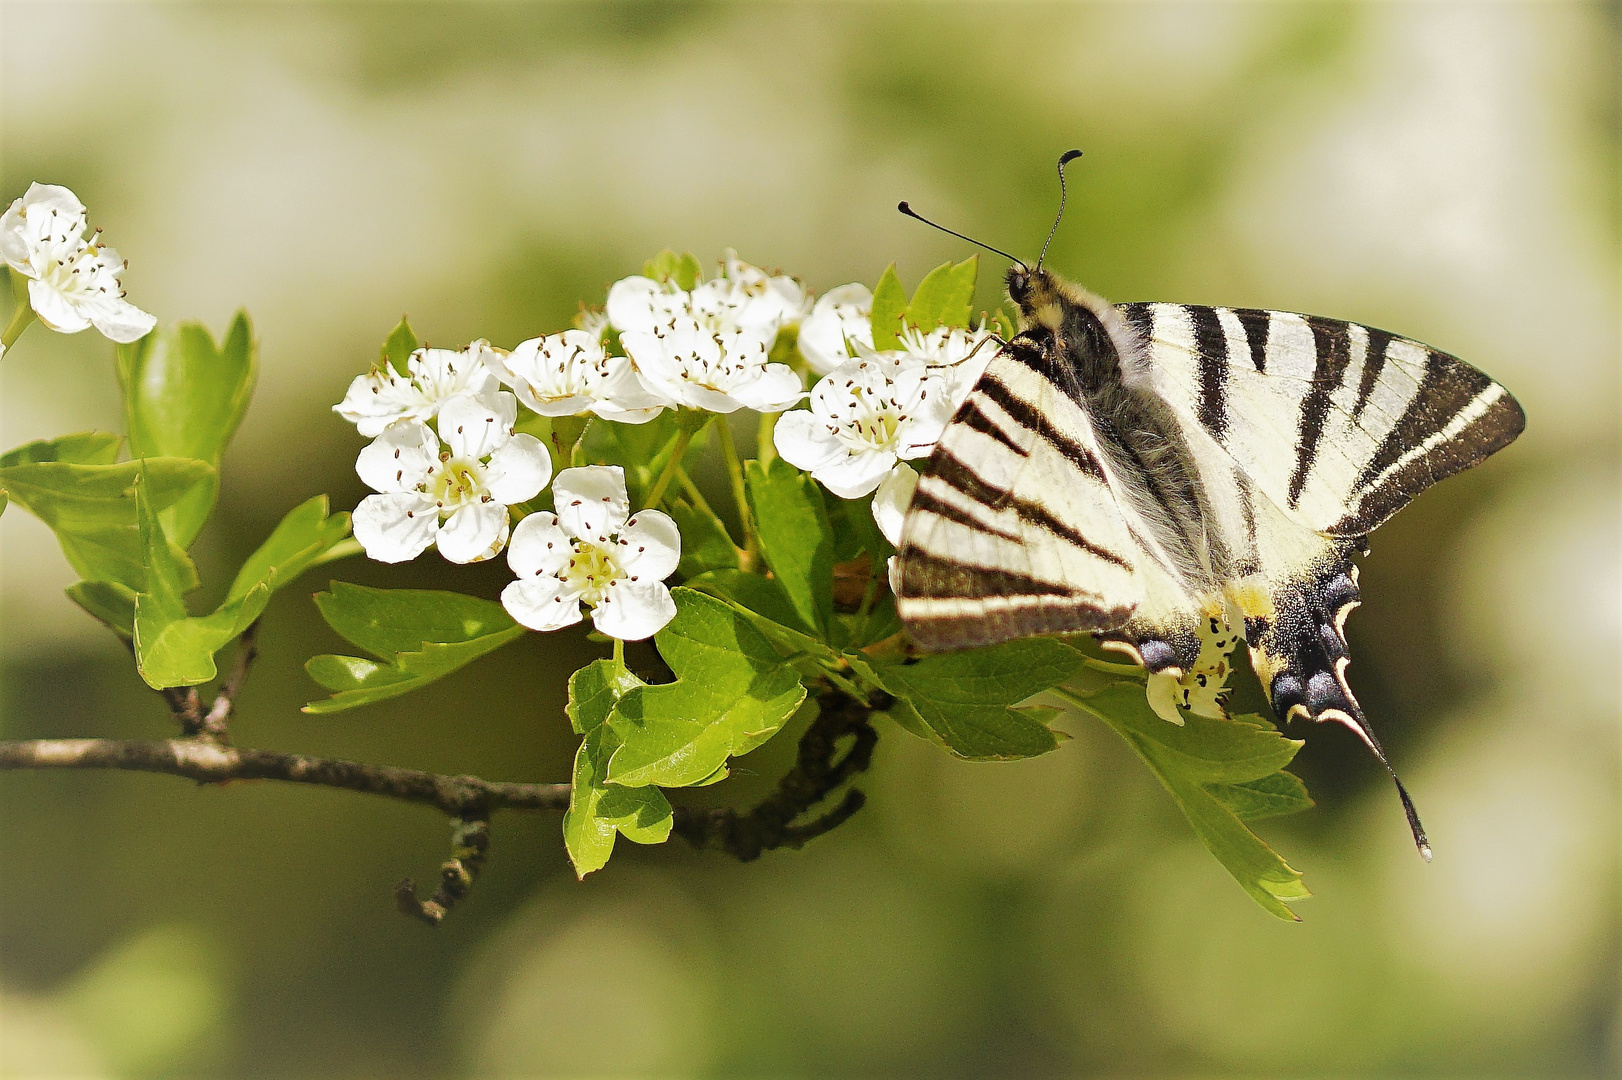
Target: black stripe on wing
x=944, y=466
x=1456, y=419
x=1332, y=346
x=1212, y=342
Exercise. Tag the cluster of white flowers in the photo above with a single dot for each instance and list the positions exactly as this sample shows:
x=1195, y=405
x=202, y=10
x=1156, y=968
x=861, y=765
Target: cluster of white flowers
x=709, y=348
x=873, y=412
x=448, y=465
x=72, y=281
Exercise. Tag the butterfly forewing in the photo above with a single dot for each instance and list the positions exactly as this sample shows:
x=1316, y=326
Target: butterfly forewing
x=1014, y=529
x=1339, y=424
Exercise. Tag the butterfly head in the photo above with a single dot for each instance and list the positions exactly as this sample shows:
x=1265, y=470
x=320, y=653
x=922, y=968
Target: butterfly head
x=1040, y=295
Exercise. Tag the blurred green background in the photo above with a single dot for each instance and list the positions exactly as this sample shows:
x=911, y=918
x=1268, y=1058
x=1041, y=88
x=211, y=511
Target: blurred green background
x=1447, y=171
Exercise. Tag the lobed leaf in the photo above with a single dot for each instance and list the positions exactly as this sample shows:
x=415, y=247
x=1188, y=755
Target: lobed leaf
x=889, y=308
x=599, y=811
x=795, y=537
x=305, y=534
x=732, y=692
x=945, y=297
x=85, y=448
x=419, y=635
x=964, y=701
x=173, y=648
x=705, y=543
x=184, y=396
x=1220, y=772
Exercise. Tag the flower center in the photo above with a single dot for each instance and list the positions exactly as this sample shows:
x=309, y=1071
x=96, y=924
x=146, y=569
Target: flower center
x=455, y=483
x=591, y=572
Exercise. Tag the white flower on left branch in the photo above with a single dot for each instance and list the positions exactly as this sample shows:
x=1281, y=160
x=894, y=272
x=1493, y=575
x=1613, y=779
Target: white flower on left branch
x=451, y=489
x=593, y=553
x=72, y=281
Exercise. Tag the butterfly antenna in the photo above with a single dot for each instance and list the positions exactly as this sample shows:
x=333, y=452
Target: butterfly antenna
x=1065, y=159
x=910, y=212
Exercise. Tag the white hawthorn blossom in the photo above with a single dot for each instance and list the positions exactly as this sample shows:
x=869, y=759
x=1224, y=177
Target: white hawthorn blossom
x=709, y=348
x=866, y=416
x=571, y=373
x=958, y=355
x=1203, y=691
x=452, y=489
x=72, y=282
x=591, y=552
x=840, y=317
x=433, y=377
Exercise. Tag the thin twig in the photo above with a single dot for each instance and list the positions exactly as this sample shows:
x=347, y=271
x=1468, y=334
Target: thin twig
x=210, y=763
x=470, y=843
x=213, y=725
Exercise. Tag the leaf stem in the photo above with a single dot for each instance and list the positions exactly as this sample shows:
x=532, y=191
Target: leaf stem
x=751, y=542
x=1131, y=671
x=765, y=441
x=845, y=684
x=672, y=467
x=343, y=549
x=619, y=654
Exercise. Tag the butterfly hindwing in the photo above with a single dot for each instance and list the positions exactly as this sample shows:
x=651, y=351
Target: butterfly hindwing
x=1339, y=424
x=1014, y=529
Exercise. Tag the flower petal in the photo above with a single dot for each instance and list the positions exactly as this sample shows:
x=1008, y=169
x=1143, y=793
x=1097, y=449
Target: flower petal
x=591, y=502
x=891, y=500
x=399, y=459
x=776, y=388
x=649, y=546
x=121, y=321
x=54, y=309
x=637, y=304
x=860, y=472
x=518, y=470
x=540, y=603
x=804, y=441
x=474, y=533
x=634, y=612
x=395, y=527
x=538, y=546
x=475, y=427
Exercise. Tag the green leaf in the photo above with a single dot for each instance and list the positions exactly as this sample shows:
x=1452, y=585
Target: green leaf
x=184, y=397
x=1218, y=771
x=85, y=448
x=705, y=543
x=964, y=701
x=1274, y=795
x=685, y=270
x=303, y=536
x=764, y=603
x=600, y=811
x=732, y=693
x=91, y=506
x=398, y=347
x=795, y=537
x=112, y=603
x=889, y=307
x=945, y=297
x=67, y=495
x=171, y=647
x=420, y=635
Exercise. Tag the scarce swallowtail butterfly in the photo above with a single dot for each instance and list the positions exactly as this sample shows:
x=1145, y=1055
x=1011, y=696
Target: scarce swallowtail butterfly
x=1141, y=471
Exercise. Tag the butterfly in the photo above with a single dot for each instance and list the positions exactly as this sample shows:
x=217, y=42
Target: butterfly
x=1147, y=472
